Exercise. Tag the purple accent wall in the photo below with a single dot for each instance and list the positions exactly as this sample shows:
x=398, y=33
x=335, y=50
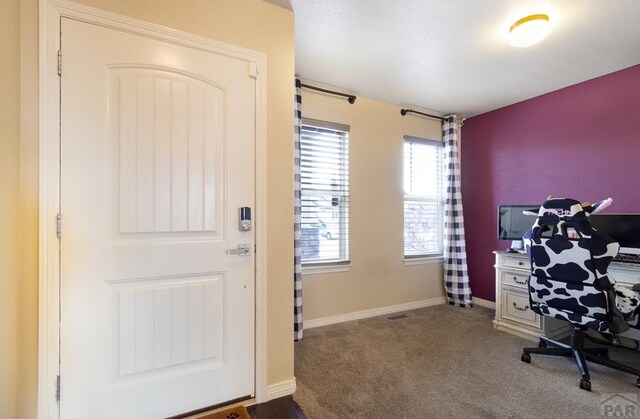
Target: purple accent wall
x=579, y=142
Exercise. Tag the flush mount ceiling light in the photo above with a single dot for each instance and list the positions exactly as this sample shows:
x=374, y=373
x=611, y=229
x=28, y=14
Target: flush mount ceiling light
x=529, y=30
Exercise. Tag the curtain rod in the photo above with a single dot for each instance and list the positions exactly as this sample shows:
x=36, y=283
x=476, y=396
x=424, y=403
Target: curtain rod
x=350, y=98
x=403, y=112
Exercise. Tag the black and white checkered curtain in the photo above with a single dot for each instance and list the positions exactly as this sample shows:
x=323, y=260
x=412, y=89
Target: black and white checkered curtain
x=456, y=278
x=297, y=253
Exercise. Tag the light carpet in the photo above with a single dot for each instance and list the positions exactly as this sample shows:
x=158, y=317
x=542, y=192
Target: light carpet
x=443, y=362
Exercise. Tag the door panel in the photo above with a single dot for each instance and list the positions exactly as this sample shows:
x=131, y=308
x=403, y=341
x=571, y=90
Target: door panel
x=172, y=151
x=157, y=155
x=169, y=321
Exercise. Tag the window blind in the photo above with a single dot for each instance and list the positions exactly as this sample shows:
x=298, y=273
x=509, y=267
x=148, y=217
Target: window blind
x=324, y=178
x=423, y=197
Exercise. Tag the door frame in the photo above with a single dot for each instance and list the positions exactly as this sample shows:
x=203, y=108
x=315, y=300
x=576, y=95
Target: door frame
x=50, y=14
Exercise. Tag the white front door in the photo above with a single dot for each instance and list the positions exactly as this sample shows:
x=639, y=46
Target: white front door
x=157, y=157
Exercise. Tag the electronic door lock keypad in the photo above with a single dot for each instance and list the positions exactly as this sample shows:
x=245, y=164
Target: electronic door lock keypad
x=245, y=219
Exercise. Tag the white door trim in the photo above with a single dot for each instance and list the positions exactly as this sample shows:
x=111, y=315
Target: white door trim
x=50, y=12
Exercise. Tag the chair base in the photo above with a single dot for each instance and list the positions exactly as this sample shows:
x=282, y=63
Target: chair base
x=580, y=354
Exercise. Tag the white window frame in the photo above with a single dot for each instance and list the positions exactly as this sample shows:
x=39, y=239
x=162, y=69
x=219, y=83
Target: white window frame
x=431, y=257
x=342, y=263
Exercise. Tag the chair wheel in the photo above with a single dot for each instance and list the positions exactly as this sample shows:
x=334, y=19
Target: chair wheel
x=527, y=358
x=542, y=344
x=638, y=383
x=585, y=384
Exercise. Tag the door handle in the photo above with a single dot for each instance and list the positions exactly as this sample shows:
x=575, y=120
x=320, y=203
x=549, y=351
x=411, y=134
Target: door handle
x=242, y=250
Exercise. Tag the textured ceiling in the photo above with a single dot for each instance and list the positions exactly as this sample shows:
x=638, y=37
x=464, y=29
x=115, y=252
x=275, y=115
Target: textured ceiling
x=452, y=55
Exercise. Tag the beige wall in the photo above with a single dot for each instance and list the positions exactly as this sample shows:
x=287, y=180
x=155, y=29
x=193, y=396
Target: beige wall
x=9, y=184
x=251, y=24
x=28, y=244
x=378, y=276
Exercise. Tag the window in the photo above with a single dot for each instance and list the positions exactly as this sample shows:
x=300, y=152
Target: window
x=324, y=178
x=423, y=197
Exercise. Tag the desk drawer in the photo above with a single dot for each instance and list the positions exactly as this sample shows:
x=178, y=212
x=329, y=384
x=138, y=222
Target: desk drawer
x=516, y=307
x=516, y=262
x=515, y=279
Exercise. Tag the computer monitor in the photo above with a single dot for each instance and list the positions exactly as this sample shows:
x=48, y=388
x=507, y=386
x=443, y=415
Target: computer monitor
x=623, y=228
x=512, y=223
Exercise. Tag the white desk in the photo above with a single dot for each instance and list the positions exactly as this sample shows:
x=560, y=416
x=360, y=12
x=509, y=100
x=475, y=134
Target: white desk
x=513, y=314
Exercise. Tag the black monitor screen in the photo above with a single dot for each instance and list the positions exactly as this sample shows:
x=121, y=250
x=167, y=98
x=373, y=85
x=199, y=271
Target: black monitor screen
x=623, y=228
x=512, y=223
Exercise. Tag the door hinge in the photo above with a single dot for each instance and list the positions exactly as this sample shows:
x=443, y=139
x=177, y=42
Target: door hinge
x=59, y=62
x=59, y=225
x=253, y=70
x=58, y=388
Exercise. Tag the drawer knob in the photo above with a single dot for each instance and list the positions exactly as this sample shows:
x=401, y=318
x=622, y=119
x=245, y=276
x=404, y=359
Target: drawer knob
x=515, y=279
x=520, y=308
x=520, y=263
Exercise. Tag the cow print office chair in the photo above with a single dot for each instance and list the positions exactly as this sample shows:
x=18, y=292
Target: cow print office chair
x=568, y=281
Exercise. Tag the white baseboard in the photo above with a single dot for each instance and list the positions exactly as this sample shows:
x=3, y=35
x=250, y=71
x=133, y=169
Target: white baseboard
x=484, y=303
x=281, y=389
x=357, y=315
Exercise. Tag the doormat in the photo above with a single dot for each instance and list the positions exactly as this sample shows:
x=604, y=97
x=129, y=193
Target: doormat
x=238, y=412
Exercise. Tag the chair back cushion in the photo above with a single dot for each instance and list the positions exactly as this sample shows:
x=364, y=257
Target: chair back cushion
x=569, y=262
